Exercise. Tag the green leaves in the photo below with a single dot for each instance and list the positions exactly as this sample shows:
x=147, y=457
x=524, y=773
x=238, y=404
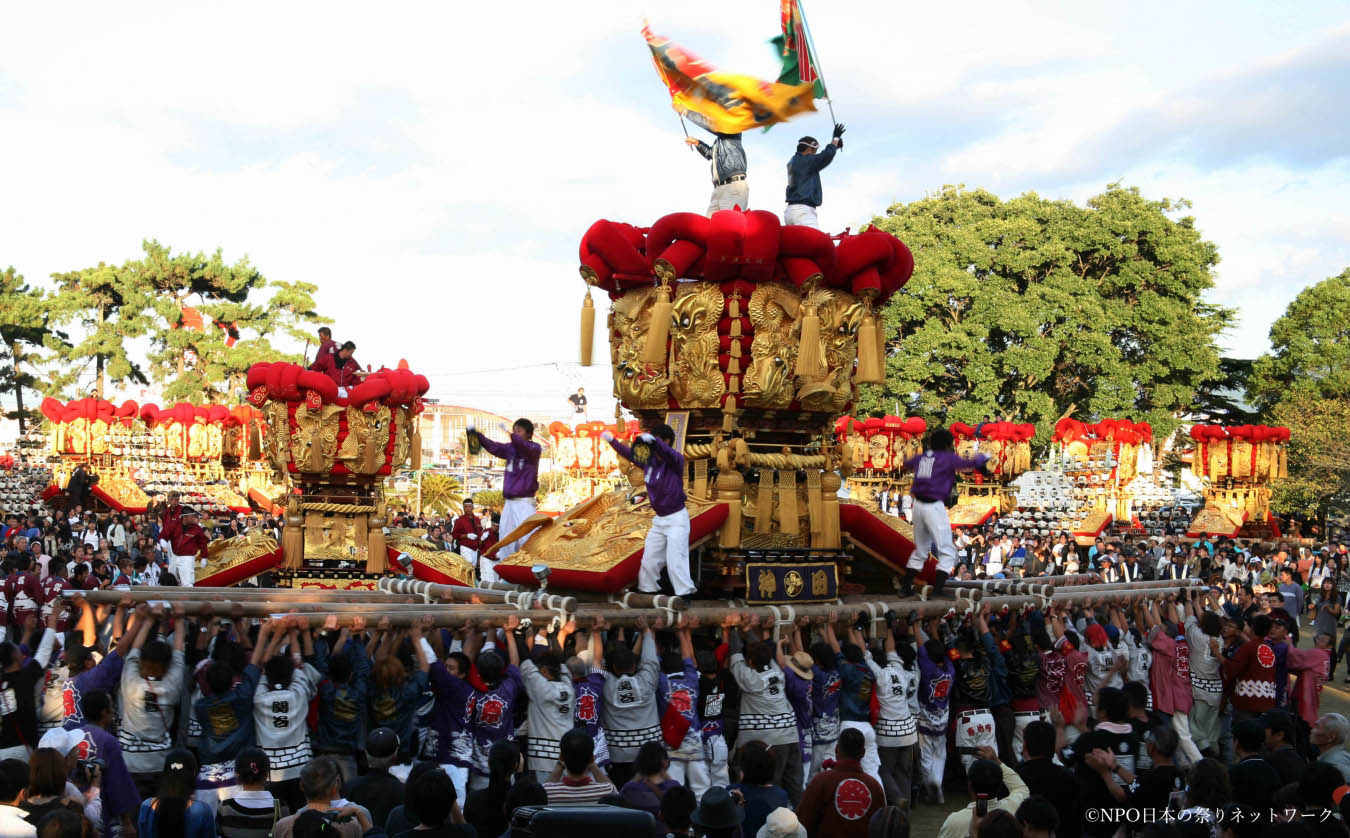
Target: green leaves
x=1310, y=347
x=1035, y=309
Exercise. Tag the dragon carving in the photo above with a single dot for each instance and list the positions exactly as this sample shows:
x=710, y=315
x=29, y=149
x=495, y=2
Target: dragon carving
x=637, y=384
x=367, y=438
x=696, y=379
x=278, y=448
x=840, y=316
x=314, y=441
x=773, y=354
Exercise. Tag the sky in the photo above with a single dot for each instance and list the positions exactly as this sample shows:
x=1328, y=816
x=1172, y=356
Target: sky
x=433, y=166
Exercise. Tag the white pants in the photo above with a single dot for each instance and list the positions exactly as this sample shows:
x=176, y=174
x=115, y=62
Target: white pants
x=729, y=196
x=514, y=513
x=932, y=758
x=932, y=533
x=801, y=215
x=710, y=771
x=19, y=752
x=871, y=761
x=820, y=751
x=1021, y=719
x=184, y=567
x=484, y=565
x=974, y=729
x=667, y=546
x=1188, y=754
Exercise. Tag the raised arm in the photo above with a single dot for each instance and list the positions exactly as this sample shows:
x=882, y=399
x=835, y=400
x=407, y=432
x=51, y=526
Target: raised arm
x=124, y=638
x=512, y=641
x=260, y=648
x=420, y=648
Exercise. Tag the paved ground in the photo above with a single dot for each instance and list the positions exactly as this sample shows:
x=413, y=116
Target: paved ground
x=928, y=818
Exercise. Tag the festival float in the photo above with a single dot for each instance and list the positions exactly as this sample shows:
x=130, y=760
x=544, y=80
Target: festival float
x=1238, y=464
x=749, y=337
x=586, y=465
x=143, y=452
x=981, y=495
x=876, y=449
x=335, y=450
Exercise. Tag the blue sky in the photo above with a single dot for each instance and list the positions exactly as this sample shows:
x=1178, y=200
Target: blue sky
x=432, y=166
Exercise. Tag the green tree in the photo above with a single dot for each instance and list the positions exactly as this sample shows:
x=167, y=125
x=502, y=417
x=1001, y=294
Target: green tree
x=112, y=306
x=25, y=330
x=1221, y=401
x=1037, y=309
x=1319, y=453
x=1310, y=347
x=216, y=320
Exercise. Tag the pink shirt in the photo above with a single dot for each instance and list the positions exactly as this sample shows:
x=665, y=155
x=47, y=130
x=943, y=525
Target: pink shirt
x=1312, y=667
x=1170, y=674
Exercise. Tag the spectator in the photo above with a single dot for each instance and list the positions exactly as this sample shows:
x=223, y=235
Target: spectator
x=758, y=792
x=1039, y=818
x=676, y=807
x=433, y=803
x=401, y=819
x=1330, y=736
x=320, y=782
x=840, y=799
x=718, y=815
x=781, y=823
x=250, y=811
x=1279, y=747
x=998, y=784
x=1045, y=779
x=576, y=779
x=378, y=790
x=14, y=821
x=485, y=807
x=651, y=781
x=173, y=813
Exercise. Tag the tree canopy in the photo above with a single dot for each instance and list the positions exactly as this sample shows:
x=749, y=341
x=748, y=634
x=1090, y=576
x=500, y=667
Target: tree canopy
x=1319, y=453
x=1036, y=309
x=1310, y=347
x=25, y=331
x=207, y=320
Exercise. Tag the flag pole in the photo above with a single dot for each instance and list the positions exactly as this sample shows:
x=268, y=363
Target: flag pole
x=820, y=71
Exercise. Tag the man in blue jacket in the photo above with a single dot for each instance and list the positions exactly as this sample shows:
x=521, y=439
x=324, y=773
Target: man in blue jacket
x=803, y=190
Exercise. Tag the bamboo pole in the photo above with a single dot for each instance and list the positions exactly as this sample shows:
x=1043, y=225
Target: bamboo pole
x=144, y=593
x=456, y=593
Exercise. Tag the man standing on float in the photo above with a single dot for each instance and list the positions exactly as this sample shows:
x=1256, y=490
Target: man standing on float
x=668, y=540
x=934, y=476
x=521, y=481
x=804, y=195
x=730, y=188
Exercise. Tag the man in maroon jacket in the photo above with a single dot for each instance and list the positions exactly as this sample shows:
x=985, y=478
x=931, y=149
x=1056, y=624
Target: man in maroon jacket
x=842, y=799
x=471, y=536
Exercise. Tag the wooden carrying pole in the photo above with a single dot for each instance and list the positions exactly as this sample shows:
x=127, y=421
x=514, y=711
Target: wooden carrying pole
x=456, y=593
x=457, y=615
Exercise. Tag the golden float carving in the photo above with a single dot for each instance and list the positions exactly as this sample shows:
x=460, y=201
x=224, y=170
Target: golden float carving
x=314, y=440
x=637, y=384
x=595, y=535
x=224, y=553
x=413, y=542
x=696, y=380
x=773, y=354
x=363, y=448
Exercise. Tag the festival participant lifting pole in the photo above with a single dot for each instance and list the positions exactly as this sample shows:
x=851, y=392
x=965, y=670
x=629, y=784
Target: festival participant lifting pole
x=934, y=475
x=522, y=477
x=668, y=540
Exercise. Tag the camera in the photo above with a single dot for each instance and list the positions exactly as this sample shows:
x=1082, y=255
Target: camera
x=82, y=769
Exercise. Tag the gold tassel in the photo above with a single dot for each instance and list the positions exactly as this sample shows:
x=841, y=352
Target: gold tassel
x=729, y=415
x=730, y=486
x=882, y=354
x=829, y=491
x=415, y=443
x=815, y=504
x=764, y=502
x=787, y=502
x=293, y=536
x=618, y=419
x=869, y=363
x=254, y=442
x=654, y=350
x=587, y=328
x=808, y=348
x=701, y=478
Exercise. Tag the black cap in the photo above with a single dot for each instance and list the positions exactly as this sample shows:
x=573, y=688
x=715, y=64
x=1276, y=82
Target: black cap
x=381, y=743
x=1279, y=720
x=717, y=810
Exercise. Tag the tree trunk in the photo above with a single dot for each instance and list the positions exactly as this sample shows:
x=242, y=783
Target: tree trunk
x=18, y=389
x=98, y=359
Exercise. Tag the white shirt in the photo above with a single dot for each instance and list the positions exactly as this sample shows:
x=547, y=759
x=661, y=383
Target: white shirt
x=12, y=824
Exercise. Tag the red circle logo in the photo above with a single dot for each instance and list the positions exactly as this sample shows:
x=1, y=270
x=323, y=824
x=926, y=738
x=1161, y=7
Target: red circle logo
x=1265, y=656
x=852, y=799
